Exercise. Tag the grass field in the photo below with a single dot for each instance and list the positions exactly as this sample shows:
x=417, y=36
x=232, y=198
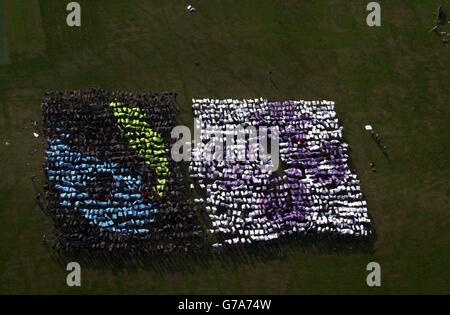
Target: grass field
x=5, y=58
x=395, y=77
x=23, y=26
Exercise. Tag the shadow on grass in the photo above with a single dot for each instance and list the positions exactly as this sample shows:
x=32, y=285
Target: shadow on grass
x=227, y=258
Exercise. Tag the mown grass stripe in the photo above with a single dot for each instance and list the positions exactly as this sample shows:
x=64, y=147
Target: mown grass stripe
x=5, y=58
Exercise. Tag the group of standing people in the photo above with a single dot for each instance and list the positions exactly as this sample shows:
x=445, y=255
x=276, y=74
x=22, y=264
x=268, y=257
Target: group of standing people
x=441, y=22
x=111, y=184
x=315, y=191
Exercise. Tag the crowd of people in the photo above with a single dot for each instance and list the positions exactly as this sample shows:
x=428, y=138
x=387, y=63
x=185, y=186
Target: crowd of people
x=315, y=191
x=110, y=182
x=442, y=23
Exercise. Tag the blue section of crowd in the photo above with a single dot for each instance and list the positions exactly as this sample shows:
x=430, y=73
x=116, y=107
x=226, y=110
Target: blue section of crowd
x=123, y=209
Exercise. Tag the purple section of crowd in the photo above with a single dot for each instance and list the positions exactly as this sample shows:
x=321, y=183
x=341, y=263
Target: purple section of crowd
x=315, y=192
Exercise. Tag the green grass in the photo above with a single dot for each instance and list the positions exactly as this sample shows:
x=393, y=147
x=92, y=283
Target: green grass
x=5, y=58
x=395, y=77
x=23, y=26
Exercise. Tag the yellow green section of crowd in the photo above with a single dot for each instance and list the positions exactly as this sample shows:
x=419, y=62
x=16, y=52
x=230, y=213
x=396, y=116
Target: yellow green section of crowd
x=146, y=142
